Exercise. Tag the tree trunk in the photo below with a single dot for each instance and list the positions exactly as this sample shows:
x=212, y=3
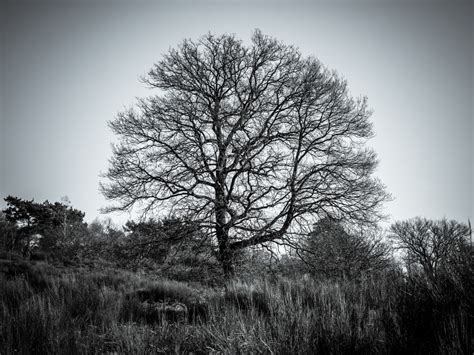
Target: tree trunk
x=222, y=234
x=227, y=262
x=222, y=231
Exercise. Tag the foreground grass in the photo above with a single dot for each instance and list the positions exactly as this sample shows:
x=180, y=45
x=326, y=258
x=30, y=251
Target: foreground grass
x=46, y=311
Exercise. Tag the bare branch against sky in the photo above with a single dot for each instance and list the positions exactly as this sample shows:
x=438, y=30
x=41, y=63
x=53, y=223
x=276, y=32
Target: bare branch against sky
x=255, y=143
x=68, y=67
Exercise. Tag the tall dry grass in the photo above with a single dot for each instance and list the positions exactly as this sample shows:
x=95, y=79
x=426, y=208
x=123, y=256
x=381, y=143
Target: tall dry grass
x=44, y=311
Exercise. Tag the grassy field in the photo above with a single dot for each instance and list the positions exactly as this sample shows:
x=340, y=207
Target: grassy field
x=97, y=310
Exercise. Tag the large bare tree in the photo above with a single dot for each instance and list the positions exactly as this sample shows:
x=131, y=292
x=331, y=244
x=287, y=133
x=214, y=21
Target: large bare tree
x=255, y=143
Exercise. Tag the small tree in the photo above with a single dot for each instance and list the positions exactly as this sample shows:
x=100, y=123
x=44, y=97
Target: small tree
x=432, y=246
x=255, y=143
x=65, y=229
x=158, y=240
x=332, y=252
x=104, y=240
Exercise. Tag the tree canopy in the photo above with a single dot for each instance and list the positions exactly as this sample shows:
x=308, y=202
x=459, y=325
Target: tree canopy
x=255, y=143
x=56, y=222
x=432, y=245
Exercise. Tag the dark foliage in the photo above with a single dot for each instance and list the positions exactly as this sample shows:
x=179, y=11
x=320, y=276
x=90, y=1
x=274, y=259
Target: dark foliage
x=48, y=227
x=330, y=251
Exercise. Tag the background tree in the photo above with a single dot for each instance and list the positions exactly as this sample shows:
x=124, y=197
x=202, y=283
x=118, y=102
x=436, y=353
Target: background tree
x=105, y=240
x=169, y=238
x=25, y=215
x=432, y=246
x=65, y=228
x=332, y=252
x=255, y=143
x=58, y=224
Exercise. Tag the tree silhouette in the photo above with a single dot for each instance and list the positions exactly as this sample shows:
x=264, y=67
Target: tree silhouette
x=433, y=245
x=255, y=143
x=59, y=224
x=331, y=251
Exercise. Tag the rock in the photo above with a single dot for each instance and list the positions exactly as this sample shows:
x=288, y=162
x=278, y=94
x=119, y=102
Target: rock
x=171, y=312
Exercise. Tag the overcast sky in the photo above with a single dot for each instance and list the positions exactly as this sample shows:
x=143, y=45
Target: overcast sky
x=68, y=67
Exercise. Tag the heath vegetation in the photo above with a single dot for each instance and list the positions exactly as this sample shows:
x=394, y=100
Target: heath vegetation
x=257, y=227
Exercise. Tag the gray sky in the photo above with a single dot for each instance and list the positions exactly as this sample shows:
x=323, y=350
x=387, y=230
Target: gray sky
x=68, y=67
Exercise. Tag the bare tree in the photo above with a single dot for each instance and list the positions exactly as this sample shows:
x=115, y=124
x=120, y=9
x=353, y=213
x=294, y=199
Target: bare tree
x=255, y=143
x=331, y=251
x=431, y=245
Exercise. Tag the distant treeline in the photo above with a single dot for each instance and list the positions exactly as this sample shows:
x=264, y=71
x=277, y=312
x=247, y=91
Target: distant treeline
x=180, y=248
